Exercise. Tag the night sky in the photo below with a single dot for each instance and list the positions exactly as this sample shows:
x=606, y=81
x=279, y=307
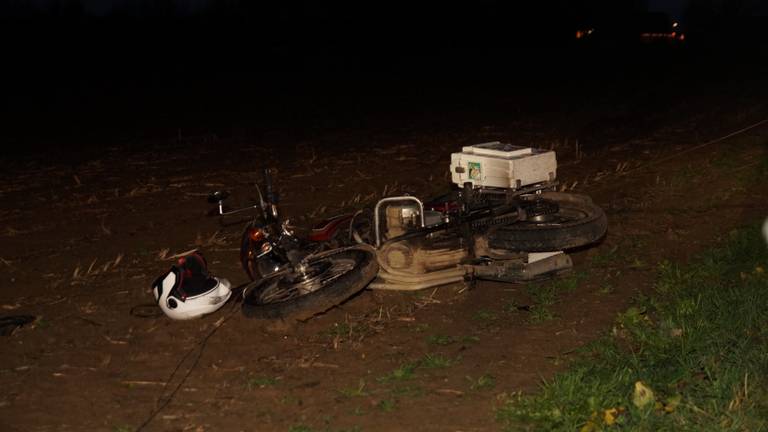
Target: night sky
x=102, y=7
x=166, y=62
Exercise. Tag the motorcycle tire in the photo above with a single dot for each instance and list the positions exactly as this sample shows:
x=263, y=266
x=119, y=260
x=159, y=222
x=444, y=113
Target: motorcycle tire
x=329, y=279
x=577, y=222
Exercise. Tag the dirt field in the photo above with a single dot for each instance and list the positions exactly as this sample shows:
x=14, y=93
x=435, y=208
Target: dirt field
x=83, y=238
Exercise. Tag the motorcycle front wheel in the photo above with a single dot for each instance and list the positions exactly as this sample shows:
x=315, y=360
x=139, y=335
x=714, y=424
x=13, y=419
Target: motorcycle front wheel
x=321, y=282
x=575, y=221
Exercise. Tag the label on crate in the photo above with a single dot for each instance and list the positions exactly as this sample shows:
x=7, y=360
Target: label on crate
x=475, y=170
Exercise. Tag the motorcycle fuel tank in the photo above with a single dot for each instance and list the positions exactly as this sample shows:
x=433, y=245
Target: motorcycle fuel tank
x=500, y=165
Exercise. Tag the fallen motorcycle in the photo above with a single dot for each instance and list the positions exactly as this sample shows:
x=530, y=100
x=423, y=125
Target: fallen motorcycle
x=293, y=276
x=505, y=222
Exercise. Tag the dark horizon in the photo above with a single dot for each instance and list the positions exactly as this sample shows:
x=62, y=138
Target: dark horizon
x=238, y=65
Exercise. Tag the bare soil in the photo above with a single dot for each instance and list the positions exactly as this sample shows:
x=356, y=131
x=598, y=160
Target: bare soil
x=82, y=240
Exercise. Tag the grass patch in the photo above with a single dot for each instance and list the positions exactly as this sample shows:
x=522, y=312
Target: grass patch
x=407, y=390
x=469, y=339
x=606, y=258
x=338, y=330
x=357, y=391
x=484, y=316
x=441, y=340
x=691, y=357
x=606, y=288
x=540, y=313
x=404, y=372
x=387, y=405
x=407, y=371
x=546, y=294
x=436, y=361
x=511, y=307
x=420, y=328
x=348, y=331
x=252, y=383
x=483, y=382
x=291, y=400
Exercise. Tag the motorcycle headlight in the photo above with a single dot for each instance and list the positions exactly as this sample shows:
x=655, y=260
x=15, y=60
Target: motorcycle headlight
x=256, y=234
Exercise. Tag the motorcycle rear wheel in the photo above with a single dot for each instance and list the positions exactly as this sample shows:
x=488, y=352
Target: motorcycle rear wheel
x=327, y=279
x=577, y=222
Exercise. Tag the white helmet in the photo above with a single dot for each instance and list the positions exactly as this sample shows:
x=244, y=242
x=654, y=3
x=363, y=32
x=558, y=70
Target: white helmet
x=187, y=291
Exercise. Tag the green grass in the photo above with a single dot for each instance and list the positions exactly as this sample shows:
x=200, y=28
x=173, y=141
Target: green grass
x=338, y=330
x=606, y=258
x=444, y=340
x=540, y=313
x=700, y=343
x=441, y=340
x=436, y=361
x=511, y=307
x=483, y=382
x=387, y=405
x=252, y=383
x=404, y=372
x=469, y=339
x=420, y=328
x=407, y=390
x=484, y=316
x=606, y=288
x=290, y=400
x=547, y=294
x=356, y=391
x=347, y=331
x=407, y=371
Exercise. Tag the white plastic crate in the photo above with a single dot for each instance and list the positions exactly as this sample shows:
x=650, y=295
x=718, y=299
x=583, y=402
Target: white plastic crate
x=500, y=165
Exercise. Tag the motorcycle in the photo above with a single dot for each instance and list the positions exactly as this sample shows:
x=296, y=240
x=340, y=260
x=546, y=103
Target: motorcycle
x=514, y=233
x=517, y=238
x=294, y=276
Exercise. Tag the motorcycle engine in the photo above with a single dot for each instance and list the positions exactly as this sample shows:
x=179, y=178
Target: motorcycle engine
x=401, y=219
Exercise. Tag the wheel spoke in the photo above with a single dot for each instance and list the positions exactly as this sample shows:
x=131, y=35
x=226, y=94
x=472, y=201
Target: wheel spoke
x=291, y=285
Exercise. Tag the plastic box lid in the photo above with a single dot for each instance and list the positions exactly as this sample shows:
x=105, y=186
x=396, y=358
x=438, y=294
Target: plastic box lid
x=498, y=149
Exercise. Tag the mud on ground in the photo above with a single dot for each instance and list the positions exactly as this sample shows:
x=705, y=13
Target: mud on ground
x=82, y=242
